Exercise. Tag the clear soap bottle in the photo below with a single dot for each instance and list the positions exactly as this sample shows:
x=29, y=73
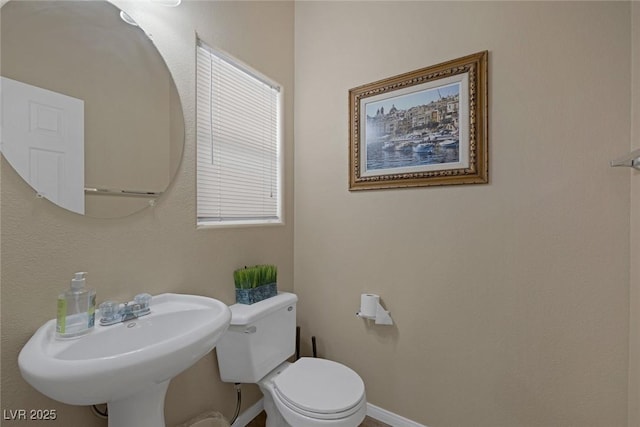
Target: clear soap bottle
x=76, y=309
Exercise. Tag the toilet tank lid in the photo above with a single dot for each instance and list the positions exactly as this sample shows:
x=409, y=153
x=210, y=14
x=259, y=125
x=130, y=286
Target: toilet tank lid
x=244, y=314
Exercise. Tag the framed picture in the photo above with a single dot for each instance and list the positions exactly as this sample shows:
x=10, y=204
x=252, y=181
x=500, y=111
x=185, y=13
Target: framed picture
x=426, y=127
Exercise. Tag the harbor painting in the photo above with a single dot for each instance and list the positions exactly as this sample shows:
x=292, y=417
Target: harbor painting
x=427, y=127
x=419, y=128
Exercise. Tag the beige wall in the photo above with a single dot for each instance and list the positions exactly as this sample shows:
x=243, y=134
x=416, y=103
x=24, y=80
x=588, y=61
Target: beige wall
x=157, y=250
x=510, y=300
x=634, y=338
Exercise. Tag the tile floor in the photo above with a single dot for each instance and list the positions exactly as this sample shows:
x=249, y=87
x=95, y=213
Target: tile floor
x=259, y=421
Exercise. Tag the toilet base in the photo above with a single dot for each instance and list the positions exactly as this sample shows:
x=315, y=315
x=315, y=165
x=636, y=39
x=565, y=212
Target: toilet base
x=274, y=417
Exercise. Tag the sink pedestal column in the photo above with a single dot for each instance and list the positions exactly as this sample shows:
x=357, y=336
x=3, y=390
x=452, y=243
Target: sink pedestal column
x=143, y=409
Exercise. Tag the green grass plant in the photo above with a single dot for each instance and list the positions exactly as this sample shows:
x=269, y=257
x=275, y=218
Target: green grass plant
x=252, y=277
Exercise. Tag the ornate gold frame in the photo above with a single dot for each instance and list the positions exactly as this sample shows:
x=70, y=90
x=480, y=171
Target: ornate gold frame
x=475, y=172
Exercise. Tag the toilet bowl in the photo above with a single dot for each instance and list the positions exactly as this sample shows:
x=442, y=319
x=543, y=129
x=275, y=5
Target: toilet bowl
x=314, y=393
x=309, y=392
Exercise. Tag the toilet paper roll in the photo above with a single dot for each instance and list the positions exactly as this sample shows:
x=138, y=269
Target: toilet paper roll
x=369, y=305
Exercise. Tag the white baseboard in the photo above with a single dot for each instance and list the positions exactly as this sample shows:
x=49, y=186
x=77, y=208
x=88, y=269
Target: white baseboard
x=250, y=413
x=390, y=418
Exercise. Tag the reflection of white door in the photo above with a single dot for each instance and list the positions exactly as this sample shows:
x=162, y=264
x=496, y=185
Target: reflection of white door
x=42, y=137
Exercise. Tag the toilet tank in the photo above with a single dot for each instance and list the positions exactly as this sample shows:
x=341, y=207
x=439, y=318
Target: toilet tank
x=261, y=336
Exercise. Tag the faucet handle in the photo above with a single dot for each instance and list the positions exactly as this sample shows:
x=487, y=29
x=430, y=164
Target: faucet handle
x=143, y=299
x=144, y=303
x=109, y=310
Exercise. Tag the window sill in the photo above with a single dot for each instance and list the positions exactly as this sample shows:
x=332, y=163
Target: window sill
x=204, y=225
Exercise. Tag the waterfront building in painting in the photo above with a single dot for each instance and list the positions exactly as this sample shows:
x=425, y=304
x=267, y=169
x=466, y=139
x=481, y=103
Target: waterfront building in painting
x=418, y=120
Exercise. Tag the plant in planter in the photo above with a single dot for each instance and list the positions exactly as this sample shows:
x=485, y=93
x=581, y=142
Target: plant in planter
x=255, y=283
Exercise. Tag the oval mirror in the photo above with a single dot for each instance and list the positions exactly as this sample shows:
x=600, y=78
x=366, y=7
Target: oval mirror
x=91, y=117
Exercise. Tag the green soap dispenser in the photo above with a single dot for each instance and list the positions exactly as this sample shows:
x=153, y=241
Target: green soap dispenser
x=76, y=309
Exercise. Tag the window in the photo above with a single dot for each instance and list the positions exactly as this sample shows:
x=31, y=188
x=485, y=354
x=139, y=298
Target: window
x=238, y=143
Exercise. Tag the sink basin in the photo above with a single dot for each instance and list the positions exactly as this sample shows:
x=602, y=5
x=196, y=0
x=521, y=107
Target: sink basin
x=127, y=365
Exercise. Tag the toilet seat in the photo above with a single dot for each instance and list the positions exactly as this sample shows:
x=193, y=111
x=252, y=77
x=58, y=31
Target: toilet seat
x=320, y=389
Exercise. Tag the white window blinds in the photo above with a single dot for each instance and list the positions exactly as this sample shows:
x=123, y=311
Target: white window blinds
x=238, y=143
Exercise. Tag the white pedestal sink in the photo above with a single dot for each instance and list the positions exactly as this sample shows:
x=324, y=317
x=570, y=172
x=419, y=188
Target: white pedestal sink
x=127, y=365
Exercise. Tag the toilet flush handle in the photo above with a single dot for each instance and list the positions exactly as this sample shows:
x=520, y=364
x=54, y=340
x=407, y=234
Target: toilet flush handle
x=250, y=330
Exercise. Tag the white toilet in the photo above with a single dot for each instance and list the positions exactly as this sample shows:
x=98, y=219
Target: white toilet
x=310, y=392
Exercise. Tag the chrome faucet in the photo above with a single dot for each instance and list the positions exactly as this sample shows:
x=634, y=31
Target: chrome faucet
x=111, y=312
